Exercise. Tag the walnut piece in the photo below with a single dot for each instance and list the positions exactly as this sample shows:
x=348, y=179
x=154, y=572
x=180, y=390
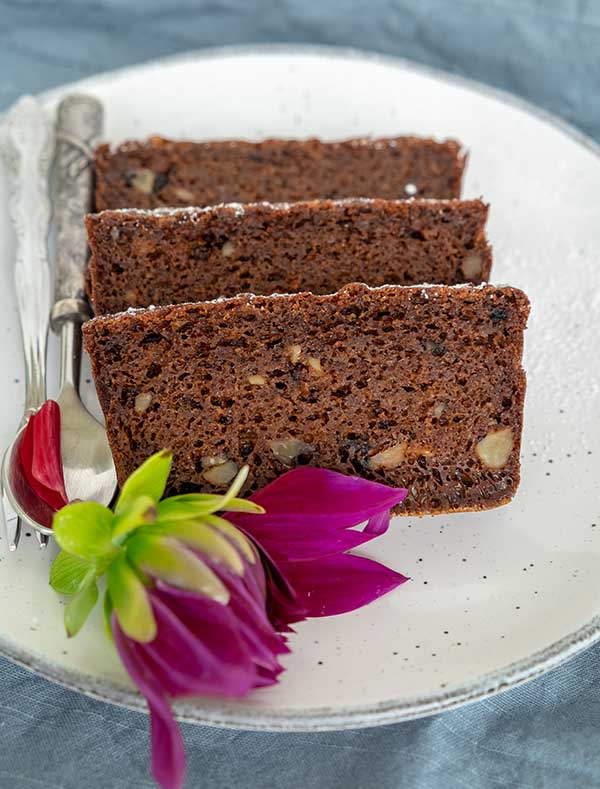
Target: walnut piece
x=287, y=450
x=314, y=365
x=494, y=450
x=228, y=249
x=185, y=195
x=471, y=266
x=414, y=450
x=293, y=352
x=131, y=297
x=143, y=180
x=142, y=401
x=221, y=474
x=388, y=458
x=438, y=409
x=257, y=380
x=208, y=461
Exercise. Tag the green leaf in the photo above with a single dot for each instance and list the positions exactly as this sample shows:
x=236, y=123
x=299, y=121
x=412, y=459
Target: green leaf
x=131, y=601
x=150, y=479
x=107, y=609
x=243, y=505
x=84, y=529
x=200, y=535
x=191, y=506
x=229, y=530
x=134, y=513
x=196, y=505
x=68, y=572
x=167, y=559
x=235, y=487
x=80, y=606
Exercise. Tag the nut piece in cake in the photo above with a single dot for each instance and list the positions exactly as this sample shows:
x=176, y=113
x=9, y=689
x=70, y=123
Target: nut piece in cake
x=143, y=180
x=228, y=249
x=494, y=450
x=294, y=351
x=388, y=458
x=221, y=474
x=314, y=365
x=142, y=401
x=290, y=450
x=471, y=267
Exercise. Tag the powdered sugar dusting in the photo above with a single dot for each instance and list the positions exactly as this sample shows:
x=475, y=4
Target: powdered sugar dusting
x=426, y=291
x=192, y=213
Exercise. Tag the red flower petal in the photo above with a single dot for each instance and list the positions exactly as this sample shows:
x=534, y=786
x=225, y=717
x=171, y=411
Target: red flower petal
x=338, y=584
x=39, y=453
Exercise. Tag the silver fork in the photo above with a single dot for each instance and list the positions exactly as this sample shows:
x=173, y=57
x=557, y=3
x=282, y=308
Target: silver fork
x=26, y=146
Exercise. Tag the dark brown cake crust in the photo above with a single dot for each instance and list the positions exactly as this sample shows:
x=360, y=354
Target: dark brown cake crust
x=143, y=258
x=415, y=387
x=162, y=172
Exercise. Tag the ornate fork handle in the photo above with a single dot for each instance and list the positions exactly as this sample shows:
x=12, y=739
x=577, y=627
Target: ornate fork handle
x=78, y=126
x=26, y=145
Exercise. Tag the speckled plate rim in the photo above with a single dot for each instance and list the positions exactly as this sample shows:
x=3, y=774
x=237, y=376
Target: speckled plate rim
x=238, y=715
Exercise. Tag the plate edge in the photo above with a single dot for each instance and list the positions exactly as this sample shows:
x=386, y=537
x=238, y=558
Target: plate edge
x=323, y=719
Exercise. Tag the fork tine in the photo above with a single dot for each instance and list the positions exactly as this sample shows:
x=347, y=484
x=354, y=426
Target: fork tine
x=42, y=539
x=13, y=530
x=12, y=525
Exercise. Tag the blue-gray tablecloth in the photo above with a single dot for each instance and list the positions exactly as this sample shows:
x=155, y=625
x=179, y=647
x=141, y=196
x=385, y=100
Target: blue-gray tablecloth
x=545, y=734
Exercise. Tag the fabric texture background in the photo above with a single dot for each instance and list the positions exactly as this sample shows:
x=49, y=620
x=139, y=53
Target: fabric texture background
x=544, y=734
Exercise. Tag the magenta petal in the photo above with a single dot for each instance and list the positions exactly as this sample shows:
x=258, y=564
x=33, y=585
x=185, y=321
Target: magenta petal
x=267, y=677
x=284, y=606
x=378, y=524
x=317, y=497
x=302, y=544
x=338, y=584
x=248, y=605
x=198, y=649
x=168, y=754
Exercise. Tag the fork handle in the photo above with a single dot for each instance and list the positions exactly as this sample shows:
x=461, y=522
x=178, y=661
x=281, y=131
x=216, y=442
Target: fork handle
x=79, y=125
x=26, y=144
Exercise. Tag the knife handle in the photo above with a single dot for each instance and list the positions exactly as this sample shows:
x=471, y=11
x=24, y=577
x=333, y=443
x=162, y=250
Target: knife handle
x=79, y=125
x=26, y=146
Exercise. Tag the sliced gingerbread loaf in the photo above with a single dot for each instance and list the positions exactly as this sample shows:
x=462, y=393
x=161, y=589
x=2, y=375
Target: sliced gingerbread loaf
x=161, y=172
x=169, y=256
x=420, y=387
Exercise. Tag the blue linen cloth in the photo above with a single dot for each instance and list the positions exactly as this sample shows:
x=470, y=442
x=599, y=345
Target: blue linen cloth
x=544, y=734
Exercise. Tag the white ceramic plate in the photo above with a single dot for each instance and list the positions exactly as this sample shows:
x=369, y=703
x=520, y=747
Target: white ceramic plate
x=496, y=597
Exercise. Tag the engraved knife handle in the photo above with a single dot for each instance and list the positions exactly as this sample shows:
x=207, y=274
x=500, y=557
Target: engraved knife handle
x=26, y=145
x=79, y=125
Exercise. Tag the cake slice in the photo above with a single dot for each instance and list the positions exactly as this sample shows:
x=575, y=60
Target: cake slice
x=420, y=387
x=161, y=172
x=169, y=256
